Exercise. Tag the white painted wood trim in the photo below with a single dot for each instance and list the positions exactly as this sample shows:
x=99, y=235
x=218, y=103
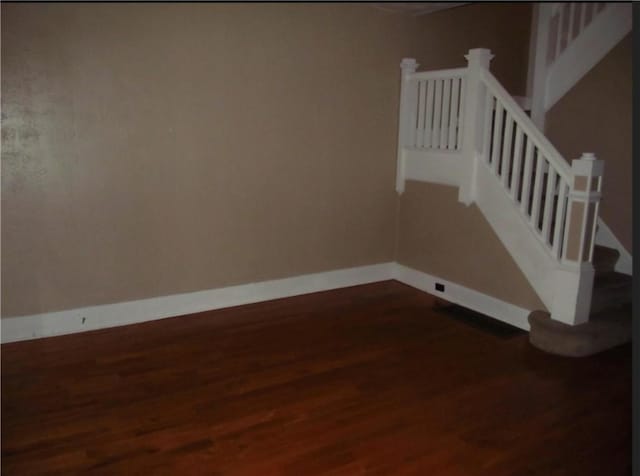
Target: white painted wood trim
x=529, y=128
x=516, y=234
x=605, y=237
x=466, y=297
x=19, y=328
x=439, y=74
x=119, y=314
x=605, y=31
x=432, y=166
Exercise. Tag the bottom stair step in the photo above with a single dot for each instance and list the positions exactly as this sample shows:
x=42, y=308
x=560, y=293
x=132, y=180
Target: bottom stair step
x=604, y=330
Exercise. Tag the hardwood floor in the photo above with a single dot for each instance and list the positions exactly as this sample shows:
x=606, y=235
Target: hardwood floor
x=365, y=380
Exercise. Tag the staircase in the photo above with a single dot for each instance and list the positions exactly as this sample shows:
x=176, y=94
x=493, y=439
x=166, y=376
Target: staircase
x=609, y=324
x=460, y=127
x=567, y=40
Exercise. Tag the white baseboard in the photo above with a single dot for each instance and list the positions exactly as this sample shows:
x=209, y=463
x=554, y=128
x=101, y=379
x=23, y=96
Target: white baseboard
x=14, y=329
x=49, y=324
x=605, y=237
x=457, y=294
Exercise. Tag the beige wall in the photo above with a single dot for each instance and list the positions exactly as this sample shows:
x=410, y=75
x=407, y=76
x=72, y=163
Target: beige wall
x=158, y=149
x=444, y=238
x=436, y=233
x=446, y=36
x=595, y=116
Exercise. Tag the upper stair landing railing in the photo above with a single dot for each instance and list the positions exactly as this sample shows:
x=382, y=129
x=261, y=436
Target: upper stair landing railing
x=465, y=116
x=568, y=40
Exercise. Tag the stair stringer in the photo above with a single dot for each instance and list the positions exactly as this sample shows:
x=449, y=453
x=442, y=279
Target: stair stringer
x=560, y=286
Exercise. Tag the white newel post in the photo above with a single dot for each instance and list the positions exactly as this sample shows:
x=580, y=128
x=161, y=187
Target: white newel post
x=474, y=104
x=574, y=282
x=407, y=121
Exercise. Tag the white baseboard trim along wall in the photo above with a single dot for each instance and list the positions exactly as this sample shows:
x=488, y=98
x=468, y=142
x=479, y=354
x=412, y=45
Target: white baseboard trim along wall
x=457, y=294
x=91, y=318
x=133, y=312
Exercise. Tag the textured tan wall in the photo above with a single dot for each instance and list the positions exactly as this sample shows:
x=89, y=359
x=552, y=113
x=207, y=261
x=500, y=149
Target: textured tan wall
x=442, y=237
x=436, y=233
x=157, y=149
x=446, y=36
x=596, y=116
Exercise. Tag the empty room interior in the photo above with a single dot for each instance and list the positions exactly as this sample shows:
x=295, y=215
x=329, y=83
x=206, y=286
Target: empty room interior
x=314, y=238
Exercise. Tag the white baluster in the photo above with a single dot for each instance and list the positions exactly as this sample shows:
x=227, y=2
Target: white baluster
x=506, y=151
x=497, y=137
x=453, y=115
x=549, y=197
x=526, y=178
x=537, y=190
x=428, y=132
x=421, y=114
x=486, y=133
x=561, y=16
x=583, y=16
x=446, y=106
x=558, y=233
x=517, y=163
x=435, y=139
x=460, y=131
x=571, y=28
x=588, y=13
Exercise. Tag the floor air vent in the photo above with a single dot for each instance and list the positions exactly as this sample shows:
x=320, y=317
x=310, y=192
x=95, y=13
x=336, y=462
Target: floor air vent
x=479, y=321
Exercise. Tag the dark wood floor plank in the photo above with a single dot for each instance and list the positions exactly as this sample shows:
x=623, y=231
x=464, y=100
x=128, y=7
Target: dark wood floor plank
x=371, y=380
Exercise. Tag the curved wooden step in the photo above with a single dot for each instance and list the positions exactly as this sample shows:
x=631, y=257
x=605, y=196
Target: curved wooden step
x=603, y=331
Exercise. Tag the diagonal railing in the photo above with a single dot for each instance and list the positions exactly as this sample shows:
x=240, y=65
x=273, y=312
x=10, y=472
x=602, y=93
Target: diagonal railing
x=467, y=112
x=568, y=40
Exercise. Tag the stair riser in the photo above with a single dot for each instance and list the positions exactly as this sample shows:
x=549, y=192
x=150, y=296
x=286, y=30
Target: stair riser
x=576, y=345
x=610, y=299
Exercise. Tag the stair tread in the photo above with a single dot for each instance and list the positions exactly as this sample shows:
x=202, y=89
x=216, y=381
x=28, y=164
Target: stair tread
x=612, y=280
x=610, y=318
x=603, y=331
x=610, y=290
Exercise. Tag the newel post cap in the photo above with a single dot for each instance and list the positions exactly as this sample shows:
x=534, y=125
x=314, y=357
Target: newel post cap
x=587, y=165
x=408, y=65
x=479, y=57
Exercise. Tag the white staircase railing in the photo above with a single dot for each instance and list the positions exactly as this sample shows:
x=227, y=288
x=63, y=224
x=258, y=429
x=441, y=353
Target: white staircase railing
x=568, y=40
x=566, y=22
x=529, y=168
x=440, y=96
x=461, y=127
